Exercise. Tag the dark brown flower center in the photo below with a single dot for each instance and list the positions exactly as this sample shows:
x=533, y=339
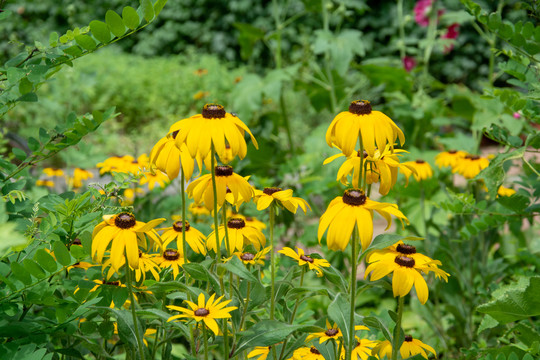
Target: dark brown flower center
x=236, y=223
x=224, y=170
x=175, y=134
x=113, y=283
x=77, y=241
x=227, y=146
x=404, y=261
x=271, y=190
x=247, y=256
x=452, y=151
x=408, y=338
x=125, y=221
x=360, y=107
x=213, y=111
x=406, y=249
x=177, y=226
x=354, y=197
x=314, y=351
x=365, y=154
x=419, y=161
x=306, y=258
x=171, y=254
x=201, y=312
x=331, y=332
x=472, y=157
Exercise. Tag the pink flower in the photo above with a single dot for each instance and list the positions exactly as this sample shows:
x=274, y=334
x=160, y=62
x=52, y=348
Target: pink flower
x=451, y=33
x=409, y=63
x=517, y=115
x=421, y=12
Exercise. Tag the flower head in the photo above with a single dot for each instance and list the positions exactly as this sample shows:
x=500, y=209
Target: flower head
x=78, y=176
x=214, y=126
x=198, y=210
x=194, y=237
x=422, y=170
x=170, y=258
x=332, y=332
x=153, y=179
x=449, y=158
x=451, y=33
x=375, y=128
x=504, y=191
x=353, y=208
x=362, y=350
x=125, y=233
x=409, y=63
x=410, y=347
x=239, y=236
x=307, y=353
x=251, y=258
x=303, y=259
x=206, y=311
x=470, y=165
x=53, y=172
x=146, y=264
x=282, y=197
x=260, y=351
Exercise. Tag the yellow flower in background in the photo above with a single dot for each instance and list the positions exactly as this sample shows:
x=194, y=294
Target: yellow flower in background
x=504, y=191
x=282, y=197
x=252, y=258
x=47, y=183
x=194, y=238
x=423, y=170
x=198, y=210
x=260, y=351
x=126, y=234
x=53, y=172
x=409, y=348
x=353, y=208
x=227, y=156
x=206, y=311
x=158, y=178
x=129, y=195
x=362, y=350
x=240, y=235
x=449, y=158
x=200, y=72
x=125, y=164
x=332, y=332
x=170, y=258
x=201, y=189
x=399, y=249
x=79, y=175
x=146, y=264
x=249, y=220
x=213, y=126
x=303, y=259
x=200, y=94
x=306, y=353
x=375, y=128
x=407, y=268
x=470, y=166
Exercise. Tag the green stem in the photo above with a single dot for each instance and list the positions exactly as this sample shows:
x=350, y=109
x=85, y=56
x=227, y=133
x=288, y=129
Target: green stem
x=216, y=218
x=272, y=261
x=327, y=62
x=225, y=339
x=354, y=257
x=224, y=222
x=132, y=306
x=205, y=339
x=361, y=181
x=396, y=343
x=184, y=243
x=293, y=315
x=401, y=43
x=427, y=245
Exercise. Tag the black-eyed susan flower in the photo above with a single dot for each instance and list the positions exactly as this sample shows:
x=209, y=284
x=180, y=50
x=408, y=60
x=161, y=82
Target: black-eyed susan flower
x=146, y=264
x=375, y=128
x=206, y=311
x=407, y=268
x=353, y=208
x=449, y=158
x=201, y=189
x=46, y=183
x=198, y=210
x=125, y=233
x=422, y=169
x=170, y=258
x=282, y=197
x=307, y=353
x=240, y=235
x=260, y=351
x=252, y=258
x=362, y=349
x=194, y=237
x=399, y=249
x=303, y=259
x=470, y=165
x=153, y=179
x=53, y=172
x=129, y=195
x=79, y=175
x=213, y=126
x=409, y=348
x=249, y=220
x=504, y=191
x=332, y=332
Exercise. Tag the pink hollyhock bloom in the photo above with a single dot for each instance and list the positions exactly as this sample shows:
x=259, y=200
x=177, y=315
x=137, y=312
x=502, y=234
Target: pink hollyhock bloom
x=409, y=63
x=517, y=115
x=421, y=12
x=451, y=33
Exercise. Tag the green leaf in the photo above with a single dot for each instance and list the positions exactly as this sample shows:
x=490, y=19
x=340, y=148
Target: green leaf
x=339, y=311
x=25, y=86
x=101, y=31
x=199, y=272
x=61, y=253
x=506, y=31
x=375, y=323
x=11, y=238
x=158, y=6
x=86, y=42
x=115, y=23
x=236, y=266
x=269, y=332
x=513, y=302
x=487, y=323
x=494, y=21
x=19, y=153
x=131, y=18
x=33, y=144
x=21, y=273
x=28, y=97
x=34, y=269
x=45, y=260
x=73, y=51
x=148, y=10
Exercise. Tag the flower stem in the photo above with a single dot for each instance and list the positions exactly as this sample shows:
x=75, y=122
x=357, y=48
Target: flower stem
x=224, y=222
x=396, y=341
x=132, y=306
x=272, y=261
x=184, y=244
x=293, y=315
x=361, y=181
x=205, y=339
x=401, y=22
x=216, y=218
x=427, y=246
x=354, y=257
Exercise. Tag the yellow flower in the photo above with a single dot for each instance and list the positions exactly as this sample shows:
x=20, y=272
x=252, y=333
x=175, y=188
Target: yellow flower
x=207, y=311
x=198, y=209
x=407, y=267
x=410, y=347
x=375, y=128
x=470, y=166
x=124, y=164
x=167, y=157
x=200, y=94
x=252, y=259
x=152, y=180
x=200, y=72
x=53, y=172
x=146, y=263
x=213, y=126
x=78, y=176
x=362, y=350
x=312, y=263
x=353, y=208
x=332, y=332
x=47, y=183
x=201, y=190
x=260, y=351
x=128, y=196
x=194, y=237
x=449, y=158
x=170, y=258
x=227, y=156
x=282, y=197
x=239, y=236
x=423, y=170
x=126, y=234
x=305, y=353
x=249, y=220
x=504, y=191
